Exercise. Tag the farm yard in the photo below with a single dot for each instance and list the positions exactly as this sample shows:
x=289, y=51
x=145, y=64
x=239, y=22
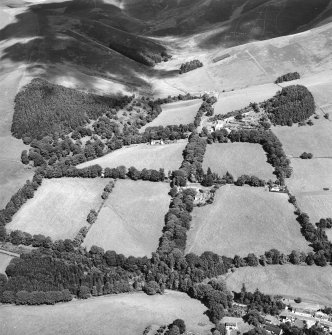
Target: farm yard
x=312, y=283
x=176, y=113
x=134, y=214
x=5, y=258
x=124, y=314
x=315, y=139
x=168, y=157
x=238, y=99
x=243, y=220
x=59, y=208
x=238, y=159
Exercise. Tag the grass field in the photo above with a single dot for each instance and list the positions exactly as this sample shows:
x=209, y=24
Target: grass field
x=168, y=157
x=315, y=139
x=243, y=220
x=310, y=175
x=316, y=205
x=60, y=207
x=312, y=283
x=124, y=314
x=132, y=218
x=307, y=182
x=238, y=159
x=238, y=99
x=13, y=173
x=4, y=261
x=181, y=112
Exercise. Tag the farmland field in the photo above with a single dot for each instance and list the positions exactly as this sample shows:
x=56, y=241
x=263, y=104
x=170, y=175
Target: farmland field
x=315, y=139
x=168, y=157
x=310, y=175
x=134, y=213
x=238, y=159
x=234, y=100
x=316, y=204
x=4, y=261
x=181, y=112
x=124, y=314
x=60, y=207
x=243, y=220
x=311, y=283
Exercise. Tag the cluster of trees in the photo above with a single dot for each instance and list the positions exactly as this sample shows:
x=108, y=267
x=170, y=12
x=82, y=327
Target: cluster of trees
x=107, y=190
x=121, y=172
x=324, y=223
x=249, y=180
x=205, y=108
x=288, y=77
x=289, y=329
x=177, y=327
x=258, y=301
x=80, y=236
x=49, y=151
x=293, y=104
x=318, y=239
x=17, y=200
x=64, y=170
x=306, y=155
x=219, y=136
x=189, y=66
x=271, y=145
x=191, y=167
x=36, y=297
x=215, y=296
x=18, y=237
x=42, y=108
x=177, y=220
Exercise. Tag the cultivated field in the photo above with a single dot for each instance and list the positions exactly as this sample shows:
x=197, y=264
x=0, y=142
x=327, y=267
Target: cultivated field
x=243, y=220
x=168, y=157
x=238, y=159
x=124, y=314
x=238, y=99
x=311, y=283
x=4, y=261
x=181, y=112
x=315, y=139
x=60, y=207
x=132, y=218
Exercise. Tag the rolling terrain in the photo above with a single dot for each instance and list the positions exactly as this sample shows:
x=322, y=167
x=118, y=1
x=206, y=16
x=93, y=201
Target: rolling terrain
x=111, y=48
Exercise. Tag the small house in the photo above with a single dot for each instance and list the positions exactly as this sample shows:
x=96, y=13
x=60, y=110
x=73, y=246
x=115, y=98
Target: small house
x=231, y=326
x=156, y=142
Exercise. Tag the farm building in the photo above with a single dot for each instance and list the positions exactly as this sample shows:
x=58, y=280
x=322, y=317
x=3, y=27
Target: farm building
x=231, y=326
x=277, y=188
x=155, y=142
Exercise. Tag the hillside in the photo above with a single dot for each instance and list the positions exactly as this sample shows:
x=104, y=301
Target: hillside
x=148, y=151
